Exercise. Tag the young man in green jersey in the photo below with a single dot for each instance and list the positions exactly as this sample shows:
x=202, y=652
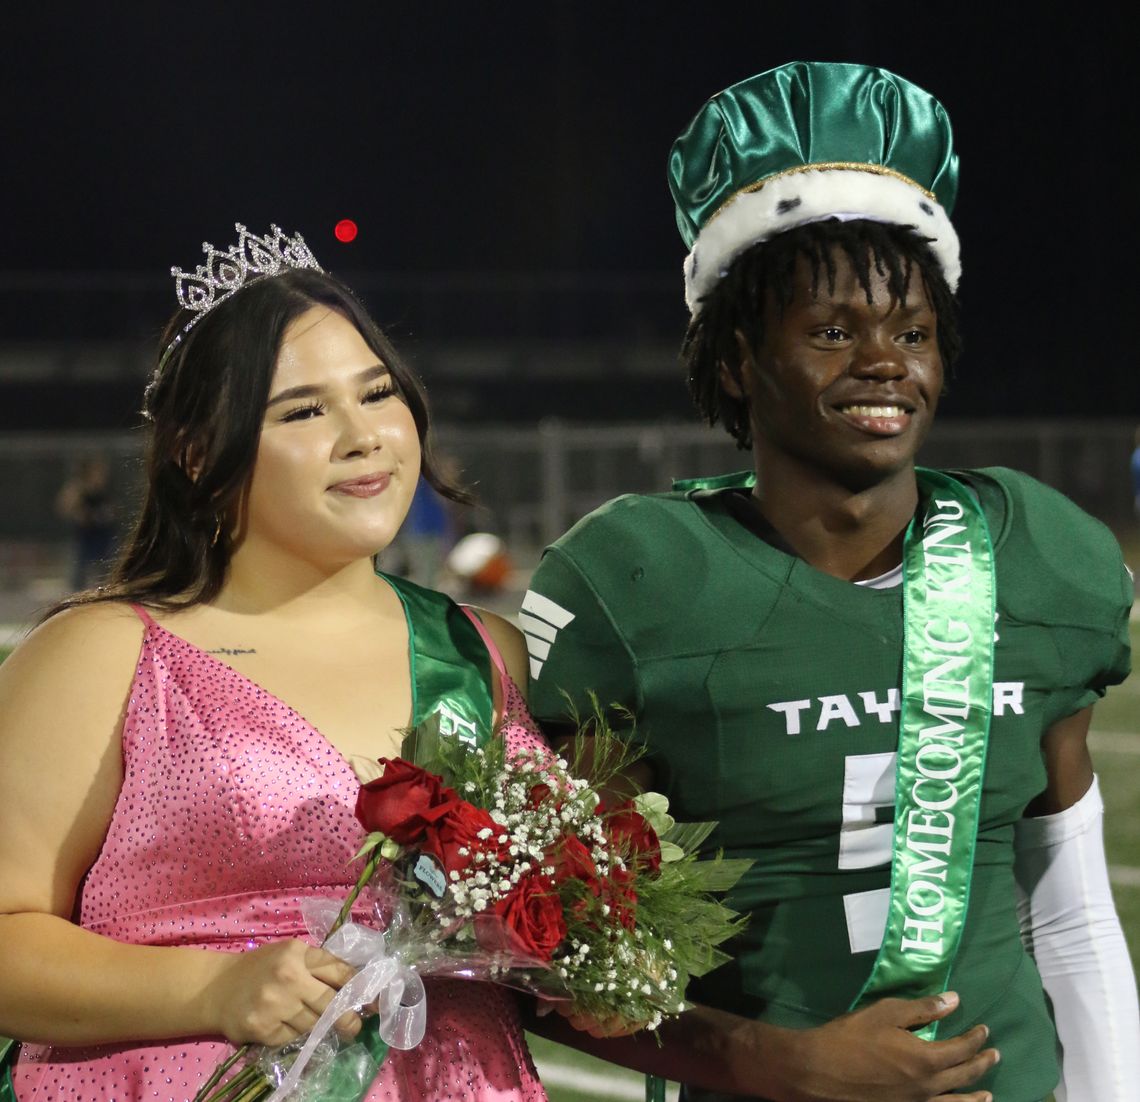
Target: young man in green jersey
x=877, y=678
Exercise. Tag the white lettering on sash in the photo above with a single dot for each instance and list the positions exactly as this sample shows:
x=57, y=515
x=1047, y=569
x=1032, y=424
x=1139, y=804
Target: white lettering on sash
x=940, y=536
x=940, y=798
x=954, y=512
x=934, y=865
x=938, y=761
x=451, y=723
x=919, y=929
x=938, y=824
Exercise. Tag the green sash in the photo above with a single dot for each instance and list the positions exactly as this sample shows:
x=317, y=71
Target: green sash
x=451, y=678
x=8, y=1050
x=947, y=698
x=949, y=602
x=451, y=669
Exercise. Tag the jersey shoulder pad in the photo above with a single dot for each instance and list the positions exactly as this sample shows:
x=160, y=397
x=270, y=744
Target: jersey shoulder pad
x=636, y=530
x=1055, y=563
x=670, y=573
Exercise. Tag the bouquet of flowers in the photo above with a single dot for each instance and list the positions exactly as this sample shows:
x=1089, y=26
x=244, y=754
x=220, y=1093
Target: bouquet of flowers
x=514, y=870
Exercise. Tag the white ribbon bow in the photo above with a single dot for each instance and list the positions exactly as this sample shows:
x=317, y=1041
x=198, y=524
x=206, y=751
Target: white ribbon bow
x=396, y=987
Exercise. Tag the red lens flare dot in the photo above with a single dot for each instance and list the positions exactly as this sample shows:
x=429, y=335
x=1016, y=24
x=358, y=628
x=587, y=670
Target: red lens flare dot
x=345, y=231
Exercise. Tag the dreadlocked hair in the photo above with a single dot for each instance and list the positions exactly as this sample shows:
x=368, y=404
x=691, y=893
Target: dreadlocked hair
x=765, y=272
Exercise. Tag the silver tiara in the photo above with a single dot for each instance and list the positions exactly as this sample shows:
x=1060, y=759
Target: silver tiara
x=225, y=273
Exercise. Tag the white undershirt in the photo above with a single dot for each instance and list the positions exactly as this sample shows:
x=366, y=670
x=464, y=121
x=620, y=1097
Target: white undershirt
x=888, y=580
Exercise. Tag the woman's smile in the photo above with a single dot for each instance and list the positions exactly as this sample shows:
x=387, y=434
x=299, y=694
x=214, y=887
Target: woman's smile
x=368, y=485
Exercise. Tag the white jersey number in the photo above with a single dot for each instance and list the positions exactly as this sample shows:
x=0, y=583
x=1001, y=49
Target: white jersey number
x=865, y=842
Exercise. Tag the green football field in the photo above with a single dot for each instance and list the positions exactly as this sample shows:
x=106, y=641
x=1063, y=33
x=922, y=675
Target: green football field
x=572, y=1077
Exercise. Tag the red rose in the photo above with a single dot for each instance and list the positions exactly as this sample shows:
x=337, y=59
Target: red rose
x=458, y=828
x=538, y=795
x=633, y=838
x=528, y=921
x=618, y=893
x=572, y=861
x=403, y=802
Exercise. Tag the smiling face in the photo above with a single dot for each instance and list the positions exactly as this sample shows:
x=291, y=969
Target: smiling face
x=843, y=388
x=339, y=455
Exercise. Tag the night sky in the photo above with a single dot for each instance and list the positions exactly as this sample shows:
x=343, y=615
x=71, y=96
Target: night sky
x=487, y=138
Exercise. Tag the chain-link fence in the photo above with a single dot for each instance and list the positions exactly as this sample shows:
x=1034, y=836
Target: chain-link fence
x=533, y=483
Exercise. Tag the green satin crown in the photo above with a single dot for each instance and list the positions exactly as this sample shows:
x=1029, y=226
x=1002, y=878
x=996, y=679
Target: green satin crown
x=804, y=142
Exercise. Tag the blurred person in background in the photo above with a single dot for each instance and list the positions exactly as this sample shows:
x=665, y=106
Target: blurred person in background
x=85, y=501
x=877, y=678
x=428, y=533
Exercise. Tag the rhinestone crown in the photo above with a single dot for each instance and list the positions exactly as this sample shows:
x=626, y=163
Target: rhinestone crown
x=224, y=273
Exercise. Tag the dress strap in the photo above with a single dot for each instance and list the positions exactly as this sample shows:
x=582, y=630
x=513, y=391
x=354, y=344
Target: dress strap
x=143, y=615
x=488, y=642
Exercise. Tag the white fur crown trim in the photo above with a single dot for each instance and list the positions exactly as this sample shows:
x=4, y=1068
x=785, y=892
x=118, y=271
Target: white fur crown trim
x=811, y=196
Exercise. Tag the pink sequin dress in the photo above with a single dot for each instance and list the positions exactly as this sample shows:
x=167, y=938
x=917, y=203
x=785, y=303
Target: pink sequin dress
x=234, y=809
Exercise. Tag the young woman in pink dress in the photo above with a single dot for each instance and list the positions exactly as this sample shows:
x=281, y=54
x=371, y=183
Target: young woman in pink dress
x=177, y=749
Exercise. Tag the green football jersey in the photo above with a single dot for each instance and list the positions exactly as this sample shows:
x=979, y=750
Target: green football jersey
x=767, y=693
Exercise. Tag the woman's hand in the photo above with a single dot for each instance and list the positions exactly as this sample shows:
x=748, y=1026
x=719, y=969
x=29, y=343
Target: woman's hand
x=275, y=994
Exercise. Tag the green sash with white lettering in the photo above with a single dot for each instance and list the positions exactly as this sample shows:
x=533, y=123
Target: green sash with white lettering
x=947, y=698
x=451, y=669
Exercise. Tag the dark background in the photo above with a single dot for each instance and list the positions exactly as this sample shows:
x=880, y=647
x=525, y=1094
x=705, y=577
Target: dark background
x=506, y=165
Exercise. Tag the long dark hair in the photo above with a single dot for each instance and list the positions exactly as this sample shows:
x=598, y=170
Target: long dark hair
x=766, y=271
x=205, y=407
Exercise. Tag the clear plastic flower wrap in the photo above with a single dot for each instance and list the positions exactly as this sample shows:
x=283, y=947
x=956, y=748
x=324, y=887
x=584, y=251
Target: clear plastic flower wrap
x=512, y=869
